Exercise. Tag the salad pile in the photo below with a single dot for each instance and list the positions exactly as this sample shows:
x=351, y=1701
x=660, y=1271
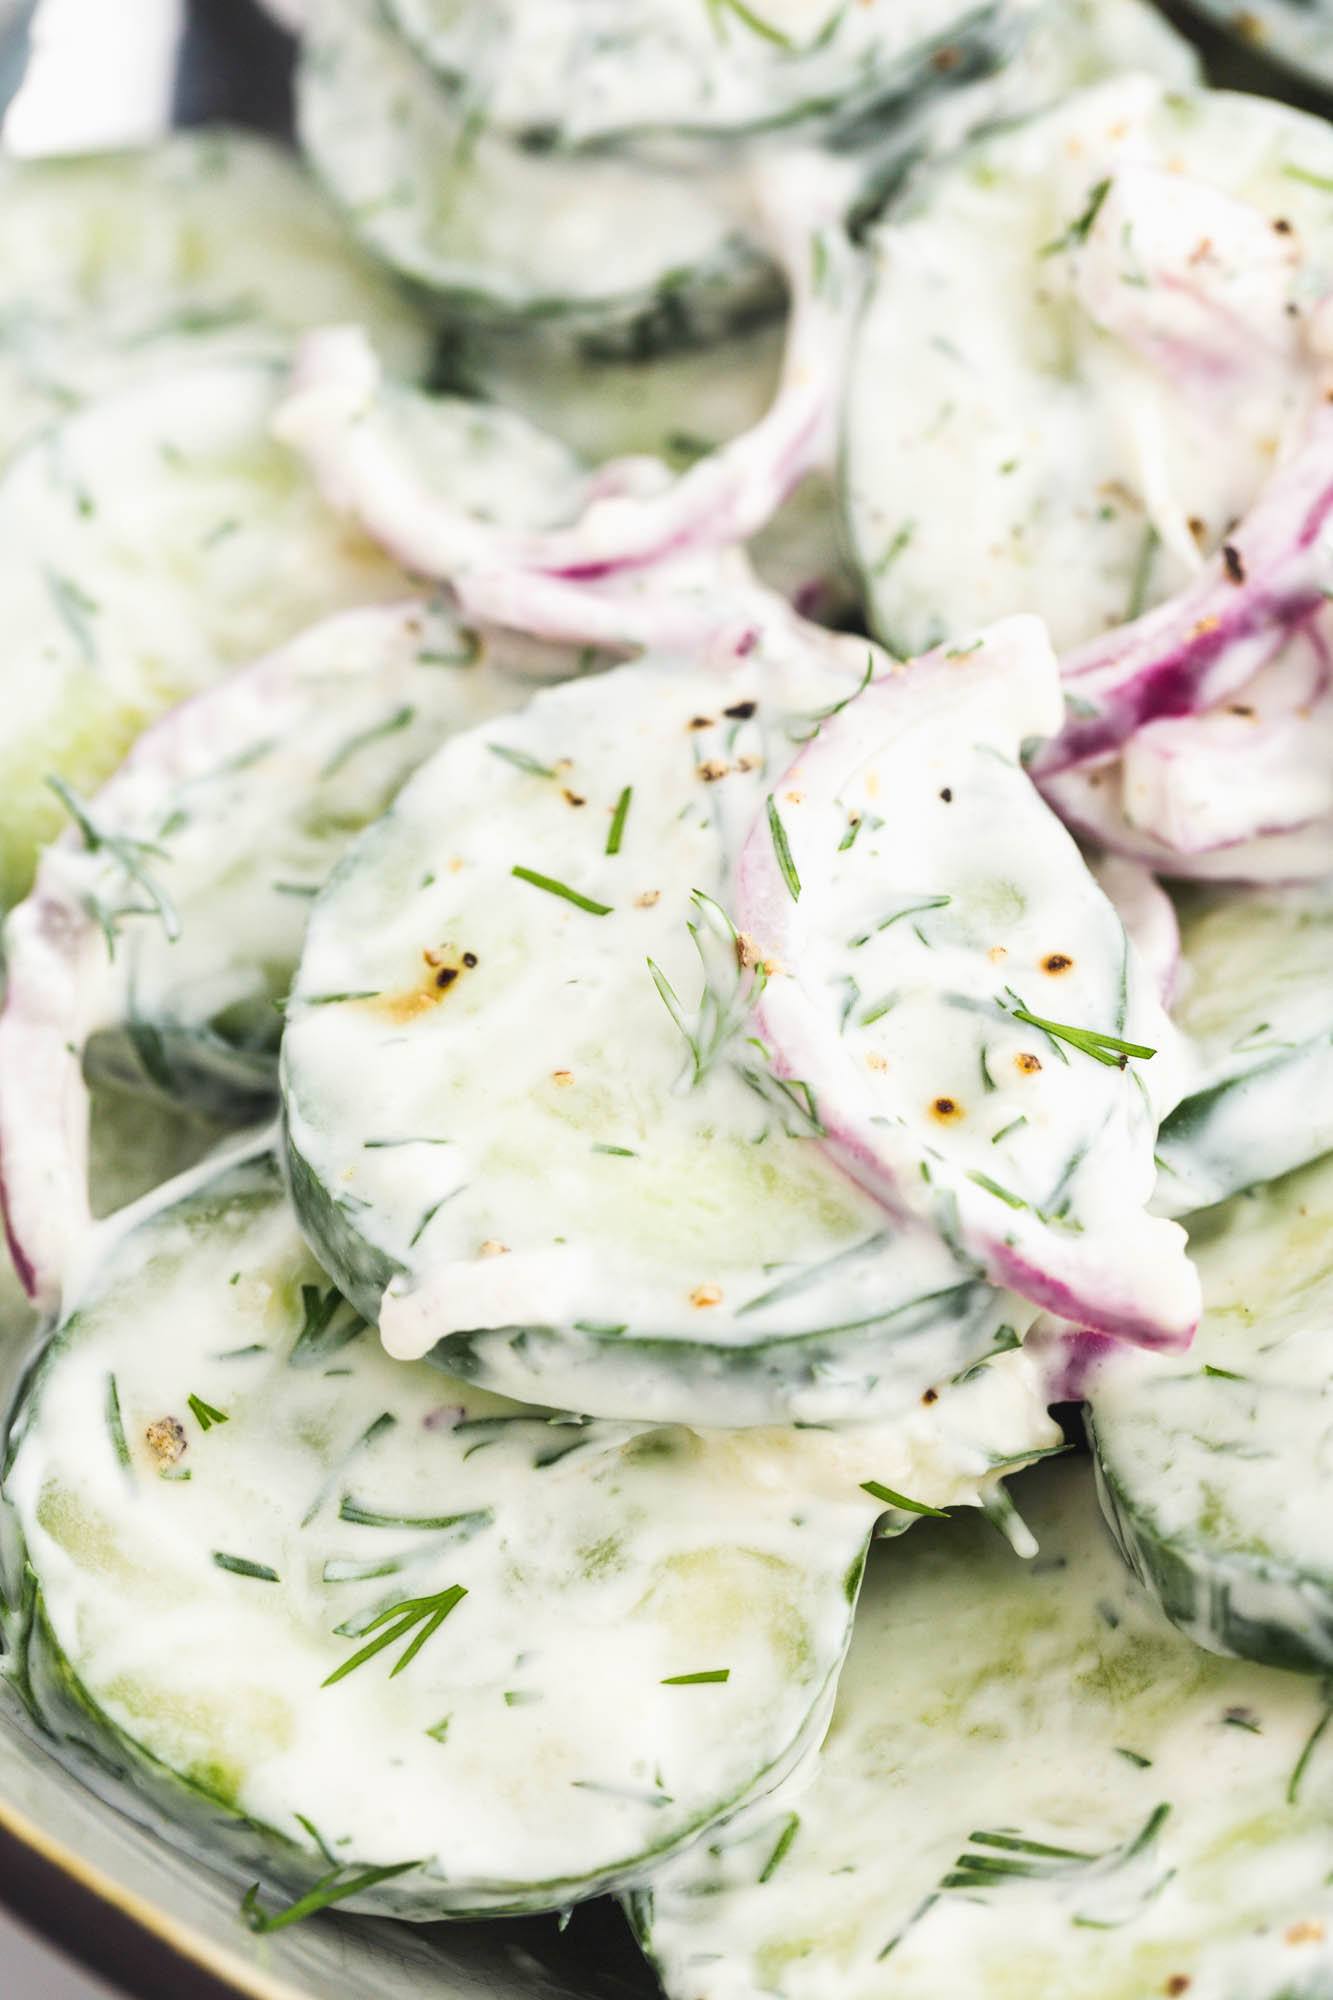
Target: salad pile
x=666, y=816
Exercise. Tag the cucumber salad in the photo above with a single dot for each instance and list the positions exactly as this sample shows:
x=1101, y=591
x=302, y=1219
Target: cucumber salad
x=666, y=854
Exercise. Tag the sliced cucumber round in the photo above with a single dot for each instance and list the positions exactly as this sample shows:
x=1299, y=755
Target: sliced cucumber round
x=503, y=231
x=354, y=1623
x=1101, y=431
x=122, y=266
x=1031, y=1786
x=159, y=943
x=148, y=545
x=1256, y=1004
x=528, y=1121
x=563, y=73
x=253, y=793
x=1217, y=1472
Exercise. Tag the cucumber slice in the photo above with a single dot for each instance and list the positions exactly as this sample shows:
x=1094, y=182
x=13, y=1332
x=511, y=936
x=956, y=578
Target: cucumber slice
x=1297, y=33
x=160, y=941
x=506, y=232
x=1215, y=1471
x=127, y=265
x=1031, y=1786
x=151, y=543
x=563, y=73
x=958, y=995
x=501, y=1137
x=1257, y=1007
x=223, y=1485
x=1087, y=422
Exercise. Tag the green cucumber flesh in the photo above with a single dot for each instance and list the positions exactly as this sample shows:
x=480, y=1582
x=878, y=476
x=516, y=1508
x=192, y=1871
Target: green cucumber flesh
x=214, y=244
x=221, y=1482
x=506, y=233
x=1032, y=1787
x=1054, y=428
x=1215, y=1466
x=494, y=1119
x=150, y=544
x=1257, y=1007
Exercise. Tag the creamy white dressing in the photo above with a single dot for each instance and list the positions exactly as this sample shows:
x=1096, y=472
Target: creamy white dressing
x=512, y=231
x=1049, y=1704
x=210, y=245
x=159, y=942
x=148, y=545
x=250, y=824
x=534, y=1151
x=1256, y=1008
x=938, y=949
x=208, y=1397
x=575, y=72
x=1083, y=433
x=1220, y=1467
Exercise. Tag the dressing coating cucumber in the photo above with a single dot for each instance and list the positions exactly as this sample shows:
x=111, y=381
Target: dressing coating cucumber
x=526, y=1123
x=1032, y=1788
x=562, y=73
x=1256, y=1003
x=1037, y=340
x=958, y=995
x=211, y=245
x=506, y=232
x=240, y=804
x=1298, y=33
x=224, y=1488
x=158, y=945
x=149, y=544
x=1216, y=1470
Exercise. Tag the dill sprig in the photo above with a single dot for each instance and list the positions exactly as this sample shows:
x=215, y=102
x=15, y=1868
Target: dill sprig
x=718, y=11
x=327, y=1891
x=323, y=1332
x=889, y=1498
x=554, y=888
x=992, y=1859
x=782, y=849
x=618, y=818
x=204, y=1414
x=427, y=1614
x=1112, y=1050
x=402, y=718
x=1080, y=229
x=115, y=1423
x=242, y=1566
x=806, y=727
x=730, y=992
x=129, y=853
x=521, y=760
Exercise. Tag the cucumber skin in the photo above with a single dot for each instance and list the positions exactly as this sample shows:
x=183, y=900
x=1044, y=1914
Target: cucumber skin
x=1292, y=1624
x=760, y=1381
x=189, y=1070
x=45, y=1693
x=1305, y=1072
x=976, y=49
x=361, y=1272
x=760, y=1384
